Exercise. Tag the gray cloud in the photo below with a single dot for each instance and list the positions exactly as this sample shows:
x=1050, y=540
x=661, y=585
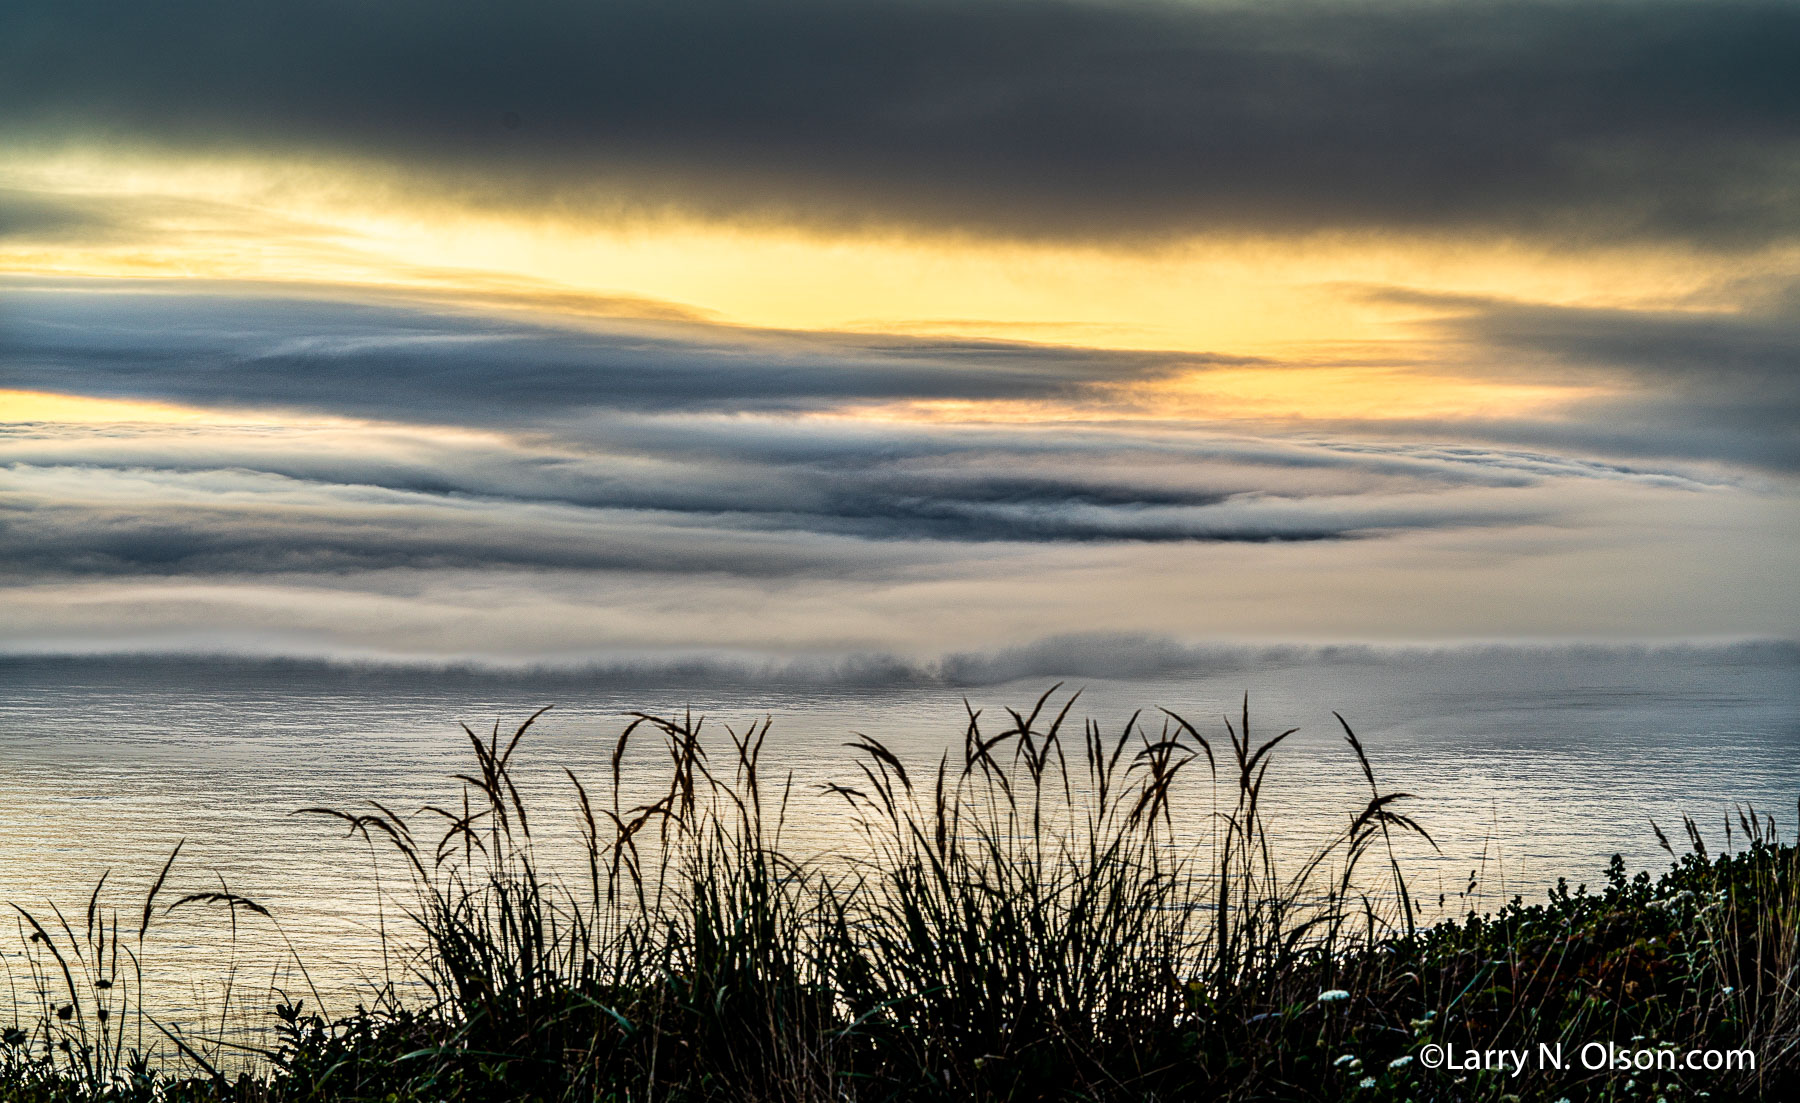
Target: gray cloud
x=254, y=524
x=1594, y=119
x=1702, y=383
x=392, y=361
x=664, y=530
x=159, y=506
x=38, y=217
x=1693, y=385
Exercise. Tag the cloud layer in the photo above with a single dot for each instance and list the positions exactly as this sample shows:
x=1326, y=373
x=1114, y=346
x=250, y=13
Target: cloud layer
x=1673, y=119
x=395, y=361
x=382, y=477
x=1692, y=384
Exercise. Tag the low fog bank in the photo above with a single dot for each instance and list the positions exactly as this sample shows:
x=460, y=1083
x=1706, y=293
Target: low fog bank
x=1106, y=657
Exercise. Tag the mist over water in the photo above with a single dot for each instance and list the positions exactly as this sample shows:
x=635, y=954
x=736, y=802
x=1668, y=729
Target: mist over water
x=1527, y=764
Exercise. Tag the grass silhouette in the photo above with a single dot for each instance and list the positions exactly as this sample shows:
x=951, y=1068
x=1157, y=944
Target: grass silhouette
x=1021, y=920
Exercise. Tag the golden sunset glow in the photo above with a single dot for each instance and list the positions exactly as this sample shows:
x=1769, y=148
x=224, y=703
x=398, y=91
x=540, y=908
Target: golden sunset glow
x=38, y=407
x=28, y=406
x=1291, y=394
x=341, y=224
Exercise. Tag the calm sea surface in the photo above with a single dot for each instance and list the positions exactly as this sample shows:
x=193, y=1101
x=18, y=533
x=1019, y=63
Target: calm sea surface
x=1527, y=765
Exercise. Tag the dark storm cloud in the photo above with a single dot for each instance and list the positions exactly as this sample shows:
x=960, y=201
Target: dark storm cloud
x=1676, y=118
x=406, y=363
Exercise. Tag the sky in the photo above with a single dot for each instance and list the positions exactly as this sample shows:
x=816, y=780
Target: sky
x=557, y=332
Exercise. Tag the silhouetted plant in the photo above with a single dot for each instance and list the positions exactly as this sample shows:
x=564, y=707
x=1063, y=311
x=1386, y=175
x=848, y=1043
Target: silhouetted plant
x=1029, y=917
